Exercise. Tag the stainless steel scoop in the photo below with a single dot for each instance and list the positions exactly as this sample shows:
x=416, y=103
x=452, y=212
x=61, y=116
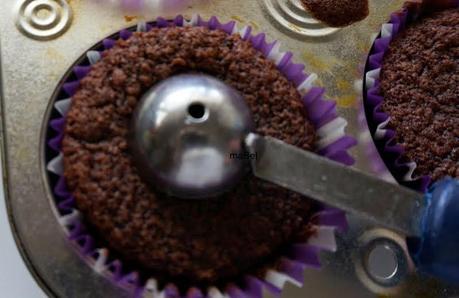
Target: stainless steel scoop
x=192, y=138
x=185, y=131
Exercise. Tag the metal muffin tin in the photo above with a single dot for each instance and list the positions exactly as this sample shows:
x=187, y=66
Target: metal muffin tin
x=39, y=45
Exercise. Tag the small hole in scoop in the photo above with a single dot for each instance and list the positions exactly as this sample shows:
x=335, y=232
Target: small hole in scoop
x=197, y=110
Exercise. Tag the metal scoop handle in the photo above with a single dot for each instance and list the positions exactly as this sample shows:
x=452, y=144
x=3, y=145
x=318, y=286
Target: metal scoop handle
x=433, y=218
x=337, y=185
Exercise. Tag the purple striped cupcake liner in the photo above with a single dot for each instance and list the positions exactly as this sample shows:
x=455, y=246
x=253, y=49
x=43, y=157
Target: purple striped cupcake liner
x=384, y=137
x=332, y=142
x=376, y=163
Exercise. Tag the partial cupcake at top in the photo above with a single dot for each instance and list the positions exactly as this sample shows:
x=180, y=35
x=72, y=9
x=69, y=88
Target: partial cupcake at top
x=338, y=13
x=256, y=230
x=413, y=94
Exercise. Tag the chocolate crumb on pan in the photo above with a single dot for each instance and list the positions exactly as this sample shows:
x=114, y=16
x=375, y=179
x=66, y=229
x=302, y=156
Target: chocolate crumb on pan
x=420, y=86
x=193, y=242
x=338, y=13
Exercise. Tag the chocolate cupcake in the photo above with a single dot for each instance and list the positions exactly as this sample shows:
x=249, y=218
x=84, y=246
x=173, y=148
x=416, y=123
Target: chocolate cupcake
x=413, y=94
x=182, y=239
x=420, y=86
x=193, y=244
x=338, y=13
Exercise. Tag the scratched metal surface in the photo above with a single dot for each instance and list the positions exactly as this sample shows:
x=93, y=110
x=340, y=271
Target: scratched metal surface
x=32, y=69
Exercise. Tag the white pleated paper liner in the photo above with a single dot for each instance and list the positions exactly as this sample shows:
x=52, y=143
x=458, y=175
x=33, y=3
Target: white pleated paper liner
x=384, y=137
x=332, y=143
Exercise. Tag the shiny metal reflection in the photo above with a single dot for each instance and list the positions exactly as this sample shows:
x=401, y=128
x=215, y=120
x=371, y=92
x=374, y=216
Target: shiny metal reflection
x=186, y=131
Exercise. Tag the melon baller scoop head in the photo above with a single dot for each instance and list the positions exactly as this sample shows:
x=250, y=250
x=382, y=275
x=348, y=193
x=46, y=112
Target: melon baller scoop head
x=192, y=137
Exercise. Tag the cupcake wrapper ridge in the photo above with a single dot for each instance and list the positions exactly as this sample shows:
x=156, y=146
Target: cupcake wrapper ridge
x=384, y=137
x=332, y=143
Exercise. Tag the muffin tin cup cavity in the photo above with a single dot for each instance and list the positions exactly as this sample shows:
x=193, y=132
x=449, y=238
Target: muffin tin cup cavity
x=332, y=143
x=383, y=136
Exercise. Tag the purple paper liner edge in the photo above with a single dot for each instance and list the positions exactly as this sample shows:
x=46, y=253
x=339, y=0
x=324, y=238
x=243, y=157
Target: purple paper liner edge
x=302, y=255
x=392, y=152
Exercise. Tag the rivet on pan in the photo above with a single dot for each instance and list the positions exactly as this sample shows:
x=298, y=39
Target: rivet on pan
x=43, y=19
x=291, y=15
x=382, y=261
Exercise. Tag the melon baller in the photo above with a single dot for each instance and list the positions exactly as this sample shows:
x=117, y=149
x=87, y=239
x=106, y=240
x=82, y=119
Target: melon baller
x=193, y=136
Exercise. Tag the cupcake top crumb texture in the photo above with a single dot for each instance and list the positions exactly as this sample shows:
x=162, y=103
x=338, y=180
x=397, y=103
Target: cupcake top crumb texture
x=420, y=86
x=337, y=13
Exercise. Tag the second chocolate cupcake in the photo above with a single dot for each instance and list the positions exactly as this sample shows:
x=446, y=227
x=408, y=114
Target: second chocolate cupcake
x=413, y=94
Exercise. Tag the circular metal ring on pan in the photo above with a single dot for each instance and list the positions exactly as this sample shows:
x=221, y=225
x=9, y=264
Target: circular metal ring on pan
x=291, y=15
x=43, y=19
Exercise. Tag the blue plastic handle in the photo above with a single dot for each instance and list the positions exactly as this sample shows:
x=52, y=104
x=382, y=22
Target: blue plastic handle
x=438, y=250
